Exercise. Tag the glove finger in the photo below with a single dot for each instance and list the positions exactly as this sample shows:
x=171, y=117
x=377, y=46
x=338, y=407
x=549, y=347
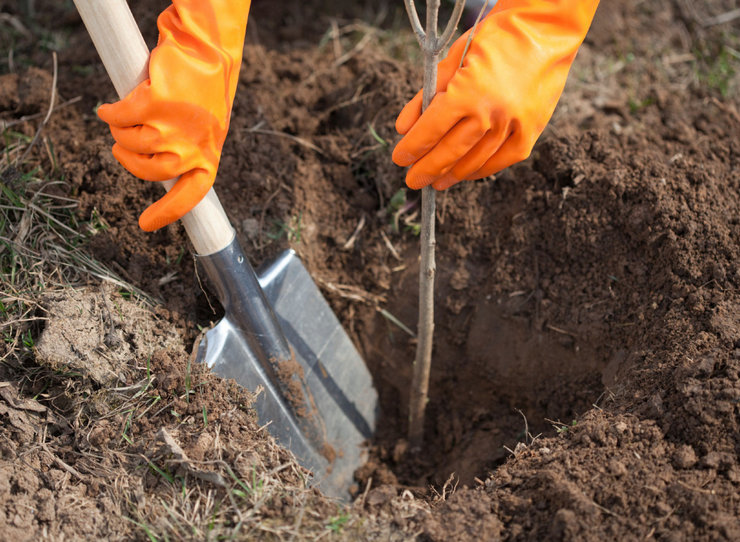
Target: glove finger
x=514, y=150
x=438, y=119
x=446, y=69
x=409, y=114
x=445, y=181
x=483, y=151
x=150, y=167
x=130, y=110
x=454, y=145
x=473, y=161
x=179, y=201
x=142, y=139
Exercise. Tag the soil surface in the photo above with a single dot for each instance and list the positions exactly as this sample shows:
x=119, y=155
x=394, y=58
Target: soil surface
x=586, y=373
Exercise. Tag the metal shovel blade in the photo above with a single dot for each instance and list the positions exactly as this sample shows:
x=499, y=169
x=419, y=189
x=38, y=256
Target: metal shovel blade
x=317, y=396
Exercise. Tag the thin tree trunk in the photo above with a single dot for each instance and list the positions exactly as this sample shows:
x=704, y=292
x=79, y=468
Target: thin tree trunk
x=432, y=46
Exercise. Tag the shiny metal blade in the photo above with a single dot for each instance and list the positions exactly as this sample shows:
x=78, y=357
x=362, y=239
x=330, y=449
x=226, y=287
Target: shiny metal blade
x=335, y=385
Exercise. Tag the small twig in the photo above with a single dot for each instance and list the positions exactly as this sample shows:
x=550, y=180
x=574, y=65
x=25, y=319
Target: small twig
x=356, y=97
x=48, y=216
x=352, y=292
x=390, y=246
x=335, y=39
x=367, y=490
x=388, y=316
x=349, y=245
x=257, y=130
x=727, y=108
x=4, y=125
x=356, y=49
x=415, y=22
x=447, y=485
x=48, y=113
x=16, y=23
x=560, y=330
x=726, y=17
x=452, y=25
x=62, y=465
x=260, y=245
x=472, y=32
x=526, y=423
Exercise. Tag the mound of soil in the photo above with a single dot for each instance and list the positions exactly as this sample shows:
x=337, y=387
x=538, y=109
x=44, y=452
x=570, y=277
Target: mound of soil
x=585, y=382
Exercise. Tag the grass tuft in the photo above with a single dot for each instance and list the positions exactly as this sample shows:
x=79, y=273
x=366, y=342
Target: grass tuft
x=42, y=244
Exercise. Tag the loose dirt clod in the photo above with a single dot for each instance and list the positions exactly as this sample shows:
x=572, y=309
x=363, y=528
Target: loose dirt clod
x=98, y=333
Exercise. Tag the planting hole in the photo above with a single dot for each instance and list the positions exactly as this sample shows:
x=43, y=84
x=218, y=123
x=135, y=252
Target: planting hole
x=494, y=364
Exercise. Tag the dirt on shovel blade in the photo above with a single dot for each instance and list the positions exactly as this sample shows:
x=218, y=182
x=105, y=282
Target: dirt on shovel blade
x=586, y=371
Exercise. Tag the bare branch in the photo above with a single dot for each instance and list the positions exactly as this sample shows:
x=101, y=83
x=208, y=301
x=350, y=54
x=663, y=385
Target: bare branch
x=415, y=22
x=444, y=39
x=472, y=33
x=432, y=22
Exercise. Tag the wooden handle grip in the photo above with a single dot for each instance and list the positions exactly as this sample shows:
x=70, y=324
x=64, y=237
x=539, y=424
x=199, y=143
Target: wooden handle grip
x=125, y=56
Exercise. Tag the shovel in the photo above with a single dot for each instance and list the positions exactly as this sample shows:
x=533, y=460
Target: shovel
x=279, y=338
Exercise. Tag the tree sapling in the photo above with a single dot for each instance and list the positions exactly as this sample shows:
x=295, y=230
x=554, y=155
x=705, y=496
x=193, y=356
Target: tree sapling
x=432, y=45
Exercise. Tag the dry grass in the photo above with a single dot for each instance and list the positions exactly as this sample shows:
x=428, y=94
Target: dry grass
x=42, y=240
x=192, y=476
x=182, y=462
x=239, y=486
x=41, y=249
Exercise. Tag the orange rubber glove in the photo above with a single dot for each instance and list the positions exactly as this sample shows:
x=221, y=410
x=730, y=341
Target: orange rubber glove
x=174, y=124
x=488, y=113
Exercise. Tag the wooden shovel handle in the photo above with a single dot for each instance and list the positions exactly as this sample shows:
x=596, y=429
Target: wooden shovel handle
x=125, y=56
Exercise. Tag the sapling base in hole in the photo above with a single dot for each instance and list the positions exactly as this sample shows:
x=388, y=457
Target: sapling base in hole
x=432, y=45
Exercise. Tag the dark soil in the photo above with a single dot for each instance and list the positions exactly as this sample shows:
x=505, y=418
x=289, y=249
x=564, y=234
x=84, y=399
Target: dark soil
x=586, y=373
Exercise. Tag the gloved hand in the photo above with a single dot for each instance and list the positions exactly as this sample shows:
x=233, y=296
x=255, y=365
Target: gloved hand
x=488, y=113
x=174, y=124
